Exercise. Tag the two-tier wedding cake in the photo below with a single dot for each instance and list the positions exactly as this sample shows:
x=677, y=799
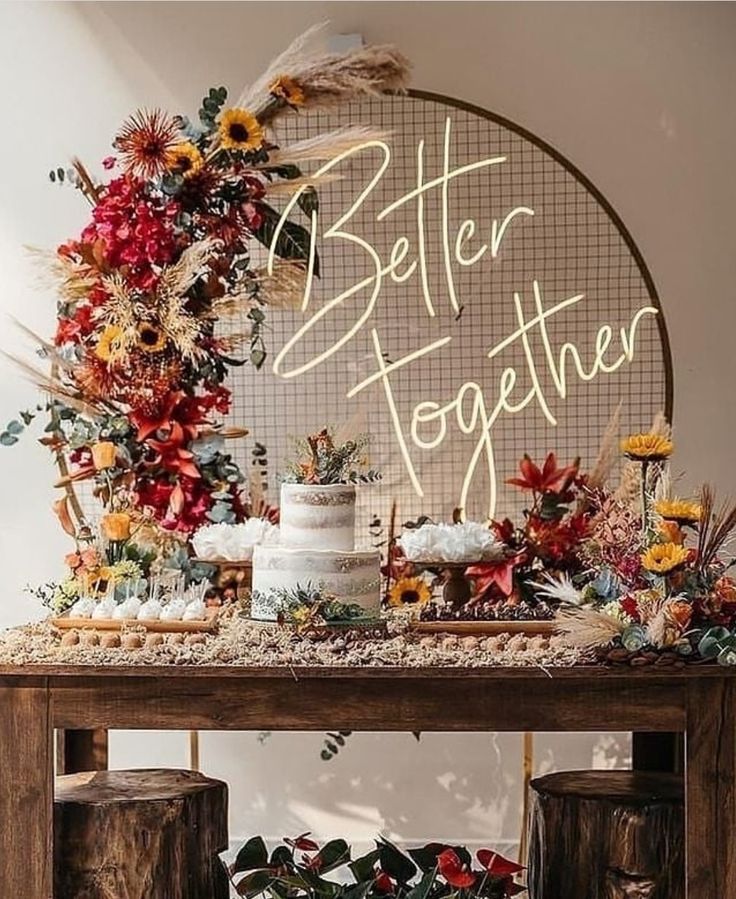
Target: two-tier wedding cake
x=316, y=551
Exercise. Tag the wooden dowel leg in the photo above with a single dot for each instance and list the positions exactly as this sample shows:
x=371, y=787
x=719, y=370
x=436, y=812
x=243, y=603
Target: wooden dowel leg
x=657, y=752
x=26, y=794
x=710, y=769
x=81, y=750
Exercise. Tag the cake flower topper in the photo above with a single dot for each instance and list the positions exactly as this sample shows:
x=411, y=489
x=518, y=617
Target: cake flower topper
x=326, y=458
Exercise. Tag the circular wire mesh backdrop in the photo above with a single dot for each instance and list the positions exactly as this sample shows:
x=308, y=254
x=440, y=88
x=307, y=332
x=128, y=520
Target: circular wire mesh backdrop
x=478, y=299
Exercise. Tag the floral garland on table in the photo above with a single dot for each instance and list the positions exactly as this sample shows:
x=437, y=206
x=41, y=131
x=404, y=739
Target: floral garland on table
x=635, y=573
x=139, y=365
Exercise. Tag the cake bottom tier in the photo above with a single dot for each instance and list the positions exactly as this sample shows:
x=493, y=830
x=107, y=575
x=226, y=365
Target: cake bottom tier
x=351, y=577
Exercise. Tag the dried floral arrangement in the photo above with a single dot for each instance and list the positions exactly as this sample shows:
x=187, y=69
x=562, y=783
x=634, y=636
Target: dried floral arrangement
x=136, y=373
x=308, y=608
x=633, y=572
x=328, y=458
x=297, y=867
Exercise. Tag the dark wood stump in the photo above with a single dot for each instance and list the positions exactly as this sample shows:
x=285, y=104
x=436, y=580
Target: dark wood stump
x=149, y=834
x=607, y=835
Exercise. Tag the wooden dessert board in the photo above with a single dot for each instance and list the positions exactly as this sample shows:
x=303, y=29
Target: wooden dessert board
x=486, y=628
x=155, y=626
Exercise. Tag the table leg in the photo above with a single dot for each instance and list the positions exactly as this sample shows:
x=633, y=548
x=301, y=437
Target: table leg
x=81, y=750
x=657, y=752
x=710, y=770
x=26, y=791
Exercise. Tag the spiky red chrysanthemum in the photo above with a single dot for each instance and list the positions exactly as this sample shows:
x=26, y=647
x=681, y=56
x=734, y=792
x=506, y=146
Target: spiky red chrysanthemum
x=145, y=142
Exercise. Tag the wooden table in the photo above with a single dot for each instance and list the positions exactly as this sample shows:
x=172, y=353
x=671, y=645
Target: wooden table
x=697, y=702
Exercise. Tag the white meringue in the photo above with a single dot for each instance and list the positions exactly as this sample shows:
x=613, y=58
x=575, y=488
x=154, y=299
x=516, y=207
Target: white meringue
x=195, y=611
x=173, y=611
x=150, y=610
x=469, y=541
x=129, y=608
x=105, y=608
x=83, y=608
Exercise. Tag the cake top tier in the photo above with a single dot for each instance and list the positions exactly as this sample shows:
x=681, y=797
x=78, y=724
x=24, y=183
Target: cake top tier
x=318, y=516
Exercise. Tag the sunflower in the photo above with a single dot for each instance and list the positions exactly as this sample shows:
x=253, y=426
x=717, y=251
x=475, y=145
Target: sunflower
x=664, y=558
x=288, y=90
x=240, y=130
x=145, y=141
x=150, y=338
x=647, y=447
x=185, y=159
x=410, y=591
x=680, y=511
x=109, y=345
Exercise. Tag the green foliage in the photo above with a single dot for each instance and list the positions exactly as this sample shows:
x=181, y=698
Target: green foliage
x=297, y=869
x=319, y=460
x=293, y=241
x=719, y=644
x=211, y=106
x=334, y=742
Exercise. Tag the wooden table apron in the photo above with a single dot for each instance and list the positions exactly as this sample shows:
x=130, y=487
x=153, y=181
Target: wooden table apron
x=697, y=701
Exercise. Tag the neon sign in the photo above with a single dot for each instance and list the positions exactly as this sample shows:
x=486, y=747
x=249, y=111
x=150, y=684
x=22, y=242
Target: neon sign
x=473, y=409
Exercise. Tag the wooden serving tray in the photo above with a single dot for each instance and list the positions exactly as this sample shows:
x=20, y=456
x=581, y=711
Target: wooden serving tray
x=155, y=626
x=485, y=628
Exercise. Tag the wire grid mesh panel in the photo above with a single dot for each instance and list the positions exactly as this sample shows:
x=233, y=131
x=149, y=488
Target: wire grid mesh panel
x=477, y=300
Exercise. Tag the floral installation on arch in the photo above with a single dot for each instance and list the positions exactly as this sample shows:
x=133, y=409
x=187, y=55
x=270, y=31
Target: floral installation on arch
x=147, y=293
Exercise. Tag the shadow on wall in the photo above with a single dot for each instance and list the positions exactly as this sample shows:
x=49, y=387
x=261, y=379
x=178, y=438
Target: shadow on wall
x=459, y=788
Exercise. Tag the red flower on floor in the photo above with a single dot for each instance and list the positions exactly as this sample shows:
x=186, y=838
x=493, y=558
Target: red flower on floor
x=453, y=870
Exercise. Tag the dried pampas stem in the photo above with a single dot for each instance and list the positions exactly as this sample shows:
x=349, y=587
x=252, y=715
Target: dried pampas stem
x=325, y=147
x=87, y=185
x=587, y=629
x=609, y=452
x=326, y=79
x=291, y=185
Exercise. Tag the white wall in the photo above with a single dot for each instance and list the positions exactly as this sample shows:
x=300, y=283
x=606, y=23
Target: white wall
x=638, y=95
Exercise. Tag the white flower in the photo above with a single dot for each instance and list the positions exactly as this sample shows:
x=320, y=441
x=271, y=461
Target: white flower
x=469, y=541
x=559, y=589
x=613, y=610
x=233, y=542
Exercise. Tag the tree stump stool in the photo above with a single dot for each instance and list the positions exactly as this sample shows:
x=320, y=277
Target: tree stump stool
x=607, y=835
x=149, y=834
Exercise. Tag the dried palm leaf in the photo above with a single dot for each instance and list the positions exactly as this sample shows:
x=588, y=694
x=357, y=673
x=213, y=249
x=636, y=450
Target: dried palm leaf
x=716, y=526
x=587, y=629
x=57, y=389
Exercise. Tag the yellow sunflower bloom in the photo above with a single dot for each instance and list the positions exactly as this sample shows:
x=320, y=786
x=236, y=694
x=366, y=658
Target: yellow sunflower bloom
x=288, y=90
x=150, y=338
x=410, y=591
x=678, y=510
x=240, y=130
x=109, y=345
x=647, y=447
x=664, y=558
x=185, y=159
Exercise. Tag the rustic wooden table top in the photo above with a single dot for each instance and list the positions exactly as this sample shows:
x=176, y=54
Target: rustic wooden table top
x=698, y=701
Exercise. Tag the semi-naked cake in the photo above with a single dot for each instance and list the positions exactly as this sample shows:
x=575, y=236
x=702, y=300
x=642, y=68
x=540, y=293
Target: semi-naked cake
x=316, y=550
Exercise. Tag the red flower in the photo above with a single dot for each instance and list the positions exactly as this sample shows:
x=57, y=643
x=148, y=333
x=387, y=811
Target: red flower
x=548, y=479
x=500, y=573
x=135, y=230
x=302, y=842
x=630, y=607
x=453, y=870
x=383, y=883
x=496, y=864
